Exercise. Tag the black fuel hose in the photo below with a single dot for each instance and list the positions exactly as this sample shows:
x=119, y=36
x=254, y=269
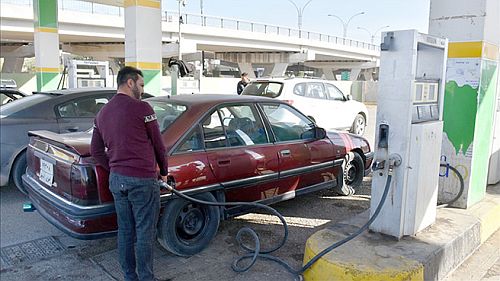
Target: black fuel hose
x=256, y=252
x=462, y=186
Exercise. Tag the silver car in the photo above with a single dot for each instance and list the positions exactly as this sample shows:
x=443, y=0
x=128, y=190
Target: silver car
x=60, y=111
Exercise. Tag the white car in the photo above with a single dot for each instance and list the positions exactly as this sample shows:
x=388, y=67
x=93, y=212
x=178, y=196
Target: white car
x=319, y=99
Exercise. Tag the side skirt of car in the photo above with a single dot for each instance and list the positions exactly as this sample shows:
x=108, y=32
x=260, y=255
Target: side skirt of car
x=239, y=210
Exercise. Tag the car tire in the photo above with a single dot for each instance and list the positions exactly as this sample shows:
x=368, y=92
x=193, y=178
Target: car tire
x=351, y=177
x=18, y=170
x=359, y=125
x=186, y=228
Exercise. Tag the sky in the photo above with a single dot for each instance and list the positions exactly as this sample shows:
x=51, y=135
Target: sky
x=398, y=14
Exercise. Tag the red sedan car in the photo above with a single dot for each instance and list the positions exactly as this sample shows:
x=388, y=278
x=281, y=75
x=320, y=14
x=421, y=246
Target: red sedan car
x=220, y=148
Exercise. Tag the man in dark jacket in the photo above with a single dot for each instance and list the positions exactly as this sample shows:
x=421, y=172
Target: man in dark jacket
x=126, y=140
x=242, y=83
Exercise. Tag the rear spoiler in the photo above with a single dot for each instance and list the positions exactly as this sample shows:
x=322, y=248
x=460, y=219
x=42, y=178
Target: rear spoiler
x=77, y=142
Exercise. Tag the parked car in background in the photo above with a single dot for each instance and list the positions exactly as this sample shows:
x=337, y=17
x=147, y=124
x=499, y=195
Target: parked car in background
x=319, y=99
x=8, y=95
x=221, y=148
x=60, y=111
x=9, y=92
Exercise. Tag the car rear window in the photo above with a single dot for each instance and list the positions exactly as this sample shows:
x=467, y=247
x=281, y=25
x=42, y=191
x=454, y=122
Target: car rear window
x=21, y=104
x=263, y=88
x=166, y=112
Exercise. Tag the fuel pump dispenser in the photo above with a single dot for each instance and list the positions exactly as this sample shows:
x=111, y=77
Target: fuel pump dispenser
x=408, y=131
x=84, y=74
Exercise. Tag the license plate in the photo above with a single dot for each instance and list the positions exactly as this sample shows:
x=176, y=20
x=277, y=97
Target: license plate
x=46, y=172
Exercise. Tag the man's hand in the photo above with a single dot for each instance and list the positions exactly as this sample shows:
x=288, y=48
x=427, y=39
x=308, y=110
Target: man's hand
x=164, y=178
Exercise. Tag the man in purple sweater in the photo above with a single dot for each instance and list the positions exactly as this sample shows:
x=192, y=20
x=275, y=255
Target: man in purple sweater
x=126, y=140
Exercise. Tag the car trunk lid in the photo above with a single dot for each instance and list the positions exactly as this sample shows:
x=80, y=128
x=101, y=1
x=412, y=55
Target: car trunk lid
x=61, y=163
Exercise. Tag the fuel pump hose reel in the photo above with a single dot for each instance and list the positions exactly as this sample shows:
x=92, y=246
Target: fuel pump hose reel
x=256, y=252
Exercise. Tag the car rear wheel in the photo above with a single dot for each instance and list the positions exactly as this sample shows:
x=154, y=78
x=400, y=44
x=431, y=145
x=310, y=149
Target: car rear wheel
x=18, y=170
x=186, y=228
x=359, y=125
x=353, y=170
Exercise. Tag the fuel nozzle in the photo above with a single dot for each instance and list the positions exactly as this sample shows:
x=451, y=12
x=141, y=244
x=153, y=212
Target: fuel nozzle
x=165, y=186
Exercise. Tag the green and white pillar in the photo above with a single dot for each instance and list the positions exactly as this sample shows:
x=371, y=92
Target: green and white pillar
x=46, y=44
x=143, y=41
x=470, y=94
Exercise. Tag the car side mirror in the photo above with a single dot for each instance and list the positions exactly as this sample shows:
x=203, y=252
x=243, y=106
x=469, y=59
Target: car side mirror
x=315, y=133
x=319, y=133
x=349, y=97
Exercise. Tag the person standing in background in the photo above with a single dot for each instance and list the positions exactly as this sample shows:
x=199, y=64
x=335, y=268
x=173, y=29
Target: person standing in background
x=126, y=141
x=242, y=83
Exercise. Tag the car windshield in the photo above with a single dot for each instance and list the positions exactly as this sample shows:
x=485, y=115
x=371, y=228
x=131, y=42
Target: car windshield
x=21, y=104
x=166, y=112
x=263, y=88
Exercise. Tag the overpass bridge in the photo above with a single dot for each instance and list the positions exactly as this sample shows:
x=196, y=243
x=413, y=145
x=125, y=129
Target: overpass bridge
x=99, y=32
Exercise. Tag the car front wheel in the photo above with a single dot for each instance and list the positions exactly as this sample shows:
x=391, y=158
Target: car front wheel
x=352, y=174
x=359, y=124
x=186, y=228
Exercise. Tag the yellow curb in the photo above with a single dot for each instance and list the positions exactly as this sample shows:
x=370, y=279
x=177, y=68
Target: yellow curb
x=488, y=214
x=351, y=265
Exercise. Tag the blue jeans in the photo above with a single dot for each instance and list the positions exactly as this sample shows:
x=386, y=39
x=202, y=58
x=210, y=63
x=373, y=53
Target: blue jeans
x=137, y=204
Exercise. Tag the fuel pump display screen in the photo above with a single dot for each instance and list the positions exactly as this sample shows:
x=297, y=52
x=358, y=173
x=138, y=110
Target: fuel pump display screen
x=425, y=102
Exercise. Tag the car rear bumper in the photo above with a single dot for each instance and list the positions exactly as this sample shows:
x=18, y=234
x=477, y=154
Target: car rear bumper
x=81, y=222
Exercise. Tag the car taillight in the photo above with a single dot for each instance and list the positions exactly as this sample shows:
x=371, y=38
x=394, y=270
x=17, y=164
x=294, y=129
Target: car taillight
x=103, y=184
x=290, y=102
x=84, y=185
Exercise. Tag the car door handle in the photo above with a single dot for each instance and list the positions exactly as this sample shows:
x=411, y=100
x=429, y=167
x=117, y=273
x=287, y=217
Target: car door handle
x=72, y=129
x=224, y=162
x=285, y=152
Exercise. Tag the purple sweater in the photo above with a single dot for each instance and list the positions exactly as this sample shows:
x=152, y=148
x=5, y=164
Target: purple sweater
x=128, y=129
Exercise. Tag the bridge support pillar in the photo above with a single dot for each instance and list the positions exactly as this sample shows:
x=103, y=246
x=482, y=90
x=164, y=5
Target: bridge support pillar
x=354, y=74
x=12, y=65
x=279, y=69
x=471, y=94
x=328, y=72
x=46, y=39
x=247, y=67
x=143, y=43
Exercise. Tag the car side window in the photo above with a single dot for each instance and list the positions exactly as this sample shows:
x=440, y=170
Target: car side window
x=315, y=90
x=243, y=125
x=193, y=142
x=84, y=107
x=213, y=131
x=287, y=123
x=334, y=92
x=300, y=89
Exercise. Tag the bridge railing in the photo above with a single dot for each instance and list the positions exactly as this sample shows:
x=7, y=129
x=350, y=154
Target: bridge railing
x=243, y=25
x=204, y=20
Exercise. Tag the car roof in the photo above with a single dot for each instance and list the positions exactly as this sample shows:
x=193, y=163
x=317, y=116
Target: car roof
x=287, y=79
x=194, y=99
x=77, y=90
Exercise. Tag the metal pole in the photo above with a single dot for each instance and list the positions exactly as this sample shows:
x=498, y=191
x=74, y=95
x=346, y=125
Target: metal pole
x=345, y=24
x=372, y=35
x=181, y=2
x=300, y=12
